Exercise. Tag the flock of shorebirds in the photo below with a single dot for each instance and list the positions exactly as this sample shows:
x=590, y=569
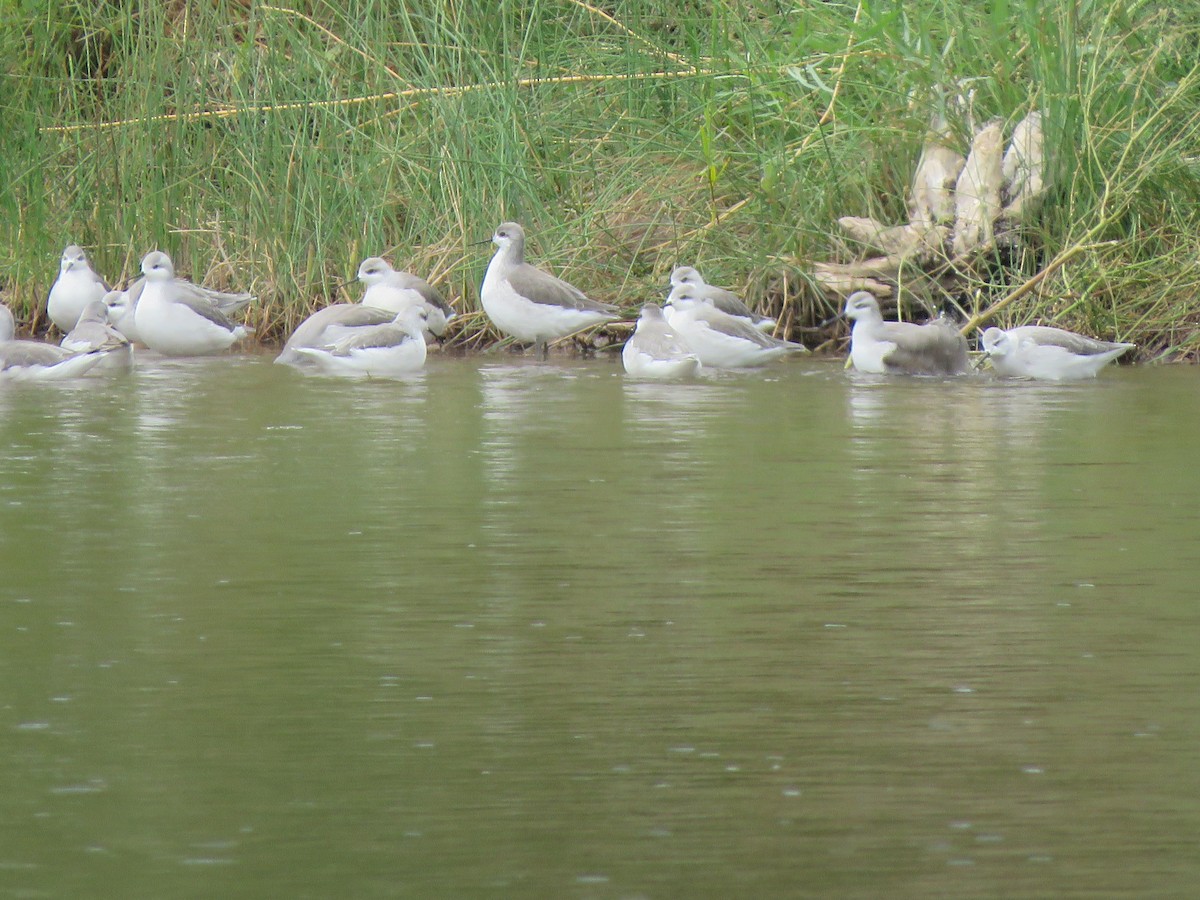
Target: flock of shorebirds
x=386, y=333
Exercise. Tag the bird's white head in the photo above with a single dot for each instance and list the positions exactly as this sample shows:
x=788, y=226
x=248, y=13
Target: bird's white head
x=374, y=270
x=510, y=236
x=862, y=305
x=683, y=297
x=685, y=275
x=651, y=312
x=73, y=258
x=157, y=266
x=998, y=343
x=117, y=303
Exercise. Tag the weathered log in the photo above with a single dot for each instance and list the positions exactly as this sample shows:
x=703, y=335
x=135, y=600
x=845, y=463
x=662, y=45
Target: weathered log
x=1023, y=169
x=934, y=180
x=986, y=197
x=977, y=193
x=899, y=241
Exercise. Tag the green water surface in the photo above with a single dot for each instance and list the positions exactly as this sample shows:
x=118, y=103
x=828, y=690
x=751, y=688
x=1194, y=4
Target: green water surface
x=534, y=630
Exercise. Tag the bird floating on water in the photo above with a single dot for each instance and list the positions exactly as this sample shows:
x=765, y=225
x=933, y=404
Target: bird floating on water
x=327, y=326
x=719, y=339
x=902, y=348
x=35, y=361
x=93, y=334
x=726, y=301
x=532, y=305
x=1047, y=354
x=390, y=350
x=655, y=351
x=176, y=318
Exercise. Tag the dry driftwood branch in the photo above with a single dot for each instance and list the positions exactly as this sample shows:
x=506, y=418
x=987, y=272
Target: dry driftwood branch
x=933, y=182
x=957, y=207
x=1024, y=168
x=977, y=193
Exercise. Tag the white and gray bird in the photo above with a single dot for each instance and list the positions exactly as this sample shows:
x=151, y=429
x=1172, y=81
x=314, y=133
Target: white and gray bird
x=327, y=327
x=1047, y=354
x=176, y=318
x=121, y=308
x=35, y=361
x=726, y=301
x=93, y=334
x=390, y=350
x=655, y=351
x=393, y=290
x=719, y=339
x=532, y=305
x=122, y=305
x=77, y=285
x=902, y=348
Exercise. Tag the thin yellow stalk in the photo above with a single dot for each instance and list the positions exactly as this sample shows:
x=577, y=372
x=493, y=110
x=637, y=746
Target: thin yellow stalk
x=447, y=91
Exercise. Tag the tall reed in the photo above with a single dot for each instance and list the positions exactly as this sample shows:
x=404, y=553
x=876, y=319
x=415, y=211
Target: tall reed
x=272, y=146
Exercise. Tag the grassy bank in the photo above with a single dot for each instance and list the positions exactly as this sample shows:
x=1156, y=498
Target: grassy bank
x=272, y=147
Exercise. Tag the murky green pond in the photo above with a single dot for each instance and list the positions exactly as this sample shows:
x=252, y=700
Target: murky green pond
x=521, y=630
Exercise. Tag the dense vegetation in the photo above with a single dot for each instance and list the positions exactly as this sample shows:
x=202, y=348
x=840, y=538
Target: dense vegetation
x=272, y=147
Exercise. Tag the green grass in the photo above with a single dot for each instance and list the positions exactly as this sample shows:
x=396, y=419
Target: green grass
x=272, y=150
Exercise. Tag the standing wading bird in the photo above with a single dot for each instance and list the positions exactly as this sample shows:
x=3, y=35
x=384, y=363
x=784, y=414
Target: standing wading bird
x=1047, y=354
x=532, y=305
x=77, y=285
x=395, y=291
x=176, y=318
x=719, y=339
x=655, y=351
x=726, y=301
x=902, y=348
x=34, y=361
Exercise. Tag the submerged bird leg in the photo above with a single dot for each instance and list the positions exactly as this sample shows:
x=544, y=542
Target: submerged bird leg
x=543, y=350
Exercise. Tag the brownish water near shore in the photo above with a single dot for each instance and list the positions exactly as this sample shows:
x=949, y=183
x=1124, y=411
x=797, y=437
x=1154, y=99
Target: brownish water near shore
x=522, y=630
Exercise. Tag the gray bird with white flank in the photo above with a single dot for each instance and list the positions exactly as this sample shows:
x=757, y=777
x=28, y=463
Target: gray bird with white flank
x=532, y=305
x=396, y=291
x=35, y=361
x=1048, y=354
x=176, y=318
x=719, y=339
x=902, y=348
x=726, y=301
x=655, y=351
x=93, y=334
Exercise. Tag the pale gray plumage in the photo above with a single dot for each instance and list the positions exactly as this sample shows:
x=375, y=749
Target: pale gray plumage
x=719, y=339
x=726, y=301
x=532, y=305
x=327, y=326
x=176, y=318
x=32, y=360
x=1014, y=354
x=902, y=348
x=394, y=290
x=92, y=332
x=122, y=305
x=76, y=286
x=654, y=350
x=1068, y=340
x=393, y=350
